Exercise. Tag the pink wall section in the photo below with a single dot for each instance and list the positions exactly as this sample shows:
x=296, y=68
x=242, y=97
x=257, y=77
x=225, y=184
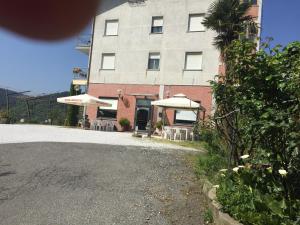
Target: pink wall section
x=126, y=107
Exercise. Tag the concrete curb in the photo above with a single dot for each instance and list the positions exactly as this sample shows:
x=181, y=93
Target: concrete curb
x=220, y=218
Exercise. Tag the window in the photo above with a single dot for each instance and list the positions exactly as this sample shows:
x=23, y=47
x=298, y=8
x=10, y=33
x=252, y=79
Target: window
x=193, y=61
x=108, y=112
x=157, y=25
x=154, y=60
x=185, y=117
x=108, y=61
x=111, y=27
x=195, y=23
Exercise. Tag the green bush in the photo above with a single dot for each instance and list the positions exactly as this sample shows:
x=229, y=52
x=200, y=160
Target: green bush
x=209, y=166
x=124, y=123
x=216, y=159
x=258, y=113
x=158, y=125
x=240, y=197
x=208, y=217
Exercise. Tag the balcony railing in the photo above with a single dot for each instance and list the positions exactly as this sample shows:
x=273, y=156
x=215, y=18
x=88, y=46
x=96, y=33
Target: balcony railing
x=84, y=43
x=80, y=76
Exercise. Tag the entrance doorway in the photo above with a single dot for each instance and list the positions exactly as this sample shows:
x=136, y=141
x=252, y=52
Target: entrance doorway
x=142, y=115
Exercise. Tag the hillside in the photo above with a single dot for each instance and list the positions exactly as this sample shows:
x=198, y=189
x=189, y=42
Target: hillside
x=13, y=96
x=35, y=109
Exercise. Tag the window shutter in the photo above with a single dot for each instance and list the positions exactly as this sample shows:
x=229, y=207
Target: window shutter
x=154, y=56
x=158, y=22
x=108, y=62
x=196, y=23
x=193, y=61
x=112, y=27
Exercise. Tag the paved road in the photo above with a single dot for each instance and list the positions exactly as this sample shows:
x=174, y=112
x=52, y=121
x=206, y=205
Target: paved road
x=89, y=184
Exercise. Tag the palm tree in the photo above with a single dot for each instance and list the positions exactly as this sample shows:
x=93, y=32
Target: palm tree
x=229, y=19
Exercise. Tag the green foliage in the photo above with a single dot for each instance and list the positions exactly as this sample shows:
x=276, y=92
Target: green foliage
x=73, y=110
x=240, y=196
x=158, y=125
x=124, y=123
x=259, y=101
x=229, y=19
x=209, y=164
x=208, y=217
x=39, y=109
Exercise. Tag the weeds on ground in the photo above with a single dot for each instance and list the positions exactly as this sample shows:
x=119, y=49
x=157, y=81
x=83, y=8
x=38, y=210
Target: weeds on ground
x=208, y=217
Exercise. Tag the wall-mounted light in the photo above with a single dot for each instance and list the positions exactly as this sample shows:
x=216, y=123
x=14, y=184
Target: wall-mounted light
x=120, y=94
x=168, y=94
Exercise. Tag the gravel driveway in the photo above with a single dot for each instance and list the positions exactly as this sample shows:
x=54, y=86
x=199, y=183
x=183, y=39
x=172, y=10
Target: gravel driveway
x=53, y=183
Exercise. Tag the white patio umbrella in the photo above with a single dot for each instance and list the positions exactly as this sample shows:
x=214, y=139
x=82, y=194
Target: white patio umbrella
x=179, y=101
x=83, y=100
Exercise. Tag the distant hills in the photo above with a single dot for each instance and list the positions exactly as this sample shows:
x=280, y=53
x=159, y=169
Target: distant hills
x=37, y=109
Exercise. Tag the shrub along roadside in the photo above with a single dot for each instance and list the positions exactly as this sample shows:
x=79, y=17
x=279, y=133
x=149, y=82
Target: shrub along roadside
x=261, y=89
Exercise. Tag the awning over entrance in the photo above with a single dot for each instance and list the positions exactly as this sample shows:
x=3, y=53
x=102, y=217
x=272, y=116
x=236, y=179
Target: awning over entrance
x=179, y=101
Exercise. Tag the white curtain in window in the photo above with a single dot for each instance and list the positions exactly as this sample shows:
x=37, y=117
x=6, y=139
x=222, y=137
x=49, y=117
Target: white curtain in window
x=158, y=22
x=196, y=23
x=108, y=62
x=112, y=27
x=193, y=61
x=113, y=102
x=186, y=115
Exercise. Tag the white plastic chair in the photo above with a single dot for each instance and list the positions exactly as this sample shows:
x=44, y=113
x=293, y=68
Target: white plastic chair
x=167, y=133
x=177, y=133
x=109, y=126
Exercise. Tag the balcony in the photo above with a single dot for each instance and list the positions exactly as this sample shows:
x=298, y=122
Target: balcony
x=84, y=44
x=80, y=76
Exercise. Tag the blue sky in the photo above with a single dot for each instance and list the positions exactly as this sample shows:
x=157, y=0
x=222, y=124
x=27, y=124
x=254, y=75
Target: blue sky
x=47, y=67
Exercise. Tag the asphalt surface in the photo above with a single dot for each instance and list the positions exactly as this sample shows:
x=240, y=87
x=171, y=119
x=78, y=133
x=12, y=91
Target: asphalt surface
x=87, y=184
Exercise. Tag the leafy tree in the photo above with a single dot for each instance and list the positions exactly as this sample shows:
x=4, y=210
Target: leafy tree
x=229, y=19
x=73, y=110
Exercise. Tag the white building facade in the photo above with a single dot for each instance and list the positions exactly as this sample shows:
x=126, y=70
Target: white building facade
x=144, y=50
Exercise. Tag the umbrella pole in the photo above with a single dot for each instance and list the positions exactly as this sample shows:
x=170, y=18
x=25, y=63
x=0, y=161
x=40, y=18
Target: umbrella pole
x=163, y=117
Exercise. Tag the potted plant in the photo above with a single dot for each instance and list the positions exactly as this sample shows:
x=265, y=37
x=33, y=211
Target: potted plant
x=125, y=124
x=158, y=127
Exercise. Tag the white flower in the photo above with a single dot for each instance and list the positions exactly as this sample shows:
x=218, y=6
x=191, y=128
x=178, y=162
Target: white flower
x=236, y=169
x=282, y=172
x=223, y=170
x=245, y=156
x=216, y=186
x=241, y=167
x=223, y=175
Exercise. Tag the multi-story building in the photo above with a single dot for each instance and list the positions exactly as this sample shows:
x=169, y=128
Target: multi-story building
x=144, y=50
